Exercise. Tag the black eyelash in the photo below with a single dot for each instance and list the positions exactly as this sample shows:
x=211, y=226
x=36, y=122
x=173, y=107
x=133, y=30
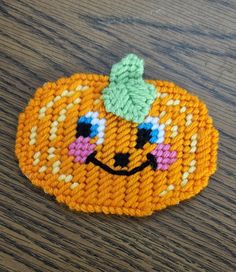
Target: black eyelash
x=143, y=136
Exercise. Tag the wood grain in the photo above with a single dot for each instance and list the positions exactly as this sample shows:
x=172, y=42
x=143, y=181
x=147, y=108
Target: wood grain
x=192, y=43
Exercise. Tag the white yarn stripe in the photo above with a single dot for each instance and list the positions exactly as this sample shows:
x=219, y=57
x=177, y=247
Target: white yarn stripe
x=169, y=188
x=53, y=131
x=192, y=164
x=42, y=111
x=33, y=135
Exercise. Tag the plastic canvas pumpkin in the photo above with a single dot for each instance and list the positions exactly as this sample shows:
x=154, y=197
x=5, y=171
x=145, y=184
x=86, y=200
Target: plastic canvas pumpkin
x=118, y=144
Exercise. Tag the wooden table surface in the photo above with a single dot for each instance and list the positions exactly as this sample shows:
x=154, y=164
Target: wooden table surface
x=192, y=43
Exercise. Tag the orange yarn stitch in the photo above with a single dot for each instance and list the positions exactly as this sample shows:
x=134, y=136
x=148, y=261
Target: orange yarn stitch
x=88, y=175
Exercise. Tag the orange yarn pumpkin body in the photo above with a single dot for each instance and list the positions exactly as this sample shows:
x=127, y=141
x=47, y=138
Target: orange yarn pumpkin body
x=48, y=127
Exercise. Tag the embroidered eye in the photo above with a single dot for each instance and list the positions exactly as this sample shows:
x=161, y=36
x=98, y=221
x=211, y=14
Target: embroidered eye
x=89, y=125
x=150, y=131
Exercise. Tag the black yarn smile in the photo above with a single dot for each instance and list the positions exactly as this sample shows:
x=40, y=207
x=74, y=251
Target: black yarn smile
x=150, y=161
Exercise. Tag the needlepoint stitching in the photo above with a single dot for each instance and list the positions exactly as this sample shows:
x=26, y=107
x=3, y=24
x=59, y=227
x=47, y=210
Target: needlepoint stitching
x=98, y=161
x=128, y=95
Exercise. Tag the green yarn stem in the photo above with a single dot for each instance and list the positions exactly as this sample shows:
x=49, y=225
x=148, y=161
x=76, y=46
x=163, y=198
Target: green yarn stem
x=128, y=95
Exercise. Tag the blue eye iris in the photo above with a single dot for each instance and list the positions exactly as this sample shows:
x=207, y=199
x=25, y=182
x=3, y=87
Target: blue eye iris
x=90, y=125
x=145, y=134
x=94, y=130
x=154, y=136
x=85, y=128
x=145, y=126
x=84, y=119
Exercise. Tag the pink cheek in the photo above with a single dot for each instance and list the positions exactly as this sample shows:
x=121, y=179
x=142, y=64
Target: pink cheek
x=81, y=148
x=164, y=157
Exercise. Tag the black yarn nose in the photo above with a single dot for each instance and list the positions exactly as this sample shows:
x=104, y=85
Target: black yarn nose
x=121, y=159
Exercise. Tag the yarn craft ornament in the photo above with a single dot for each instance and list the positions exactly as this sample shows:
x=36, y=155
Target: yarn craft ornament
x=118, y=144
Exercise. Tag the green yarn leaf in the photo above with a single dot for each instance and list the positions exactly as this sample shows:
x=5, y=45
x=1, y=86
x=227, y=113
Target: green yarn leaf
x=128, y=95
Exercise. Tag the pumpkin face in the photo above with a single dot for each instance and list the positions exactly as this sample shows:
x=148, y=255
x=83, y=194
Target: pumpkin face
x=97, y=161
